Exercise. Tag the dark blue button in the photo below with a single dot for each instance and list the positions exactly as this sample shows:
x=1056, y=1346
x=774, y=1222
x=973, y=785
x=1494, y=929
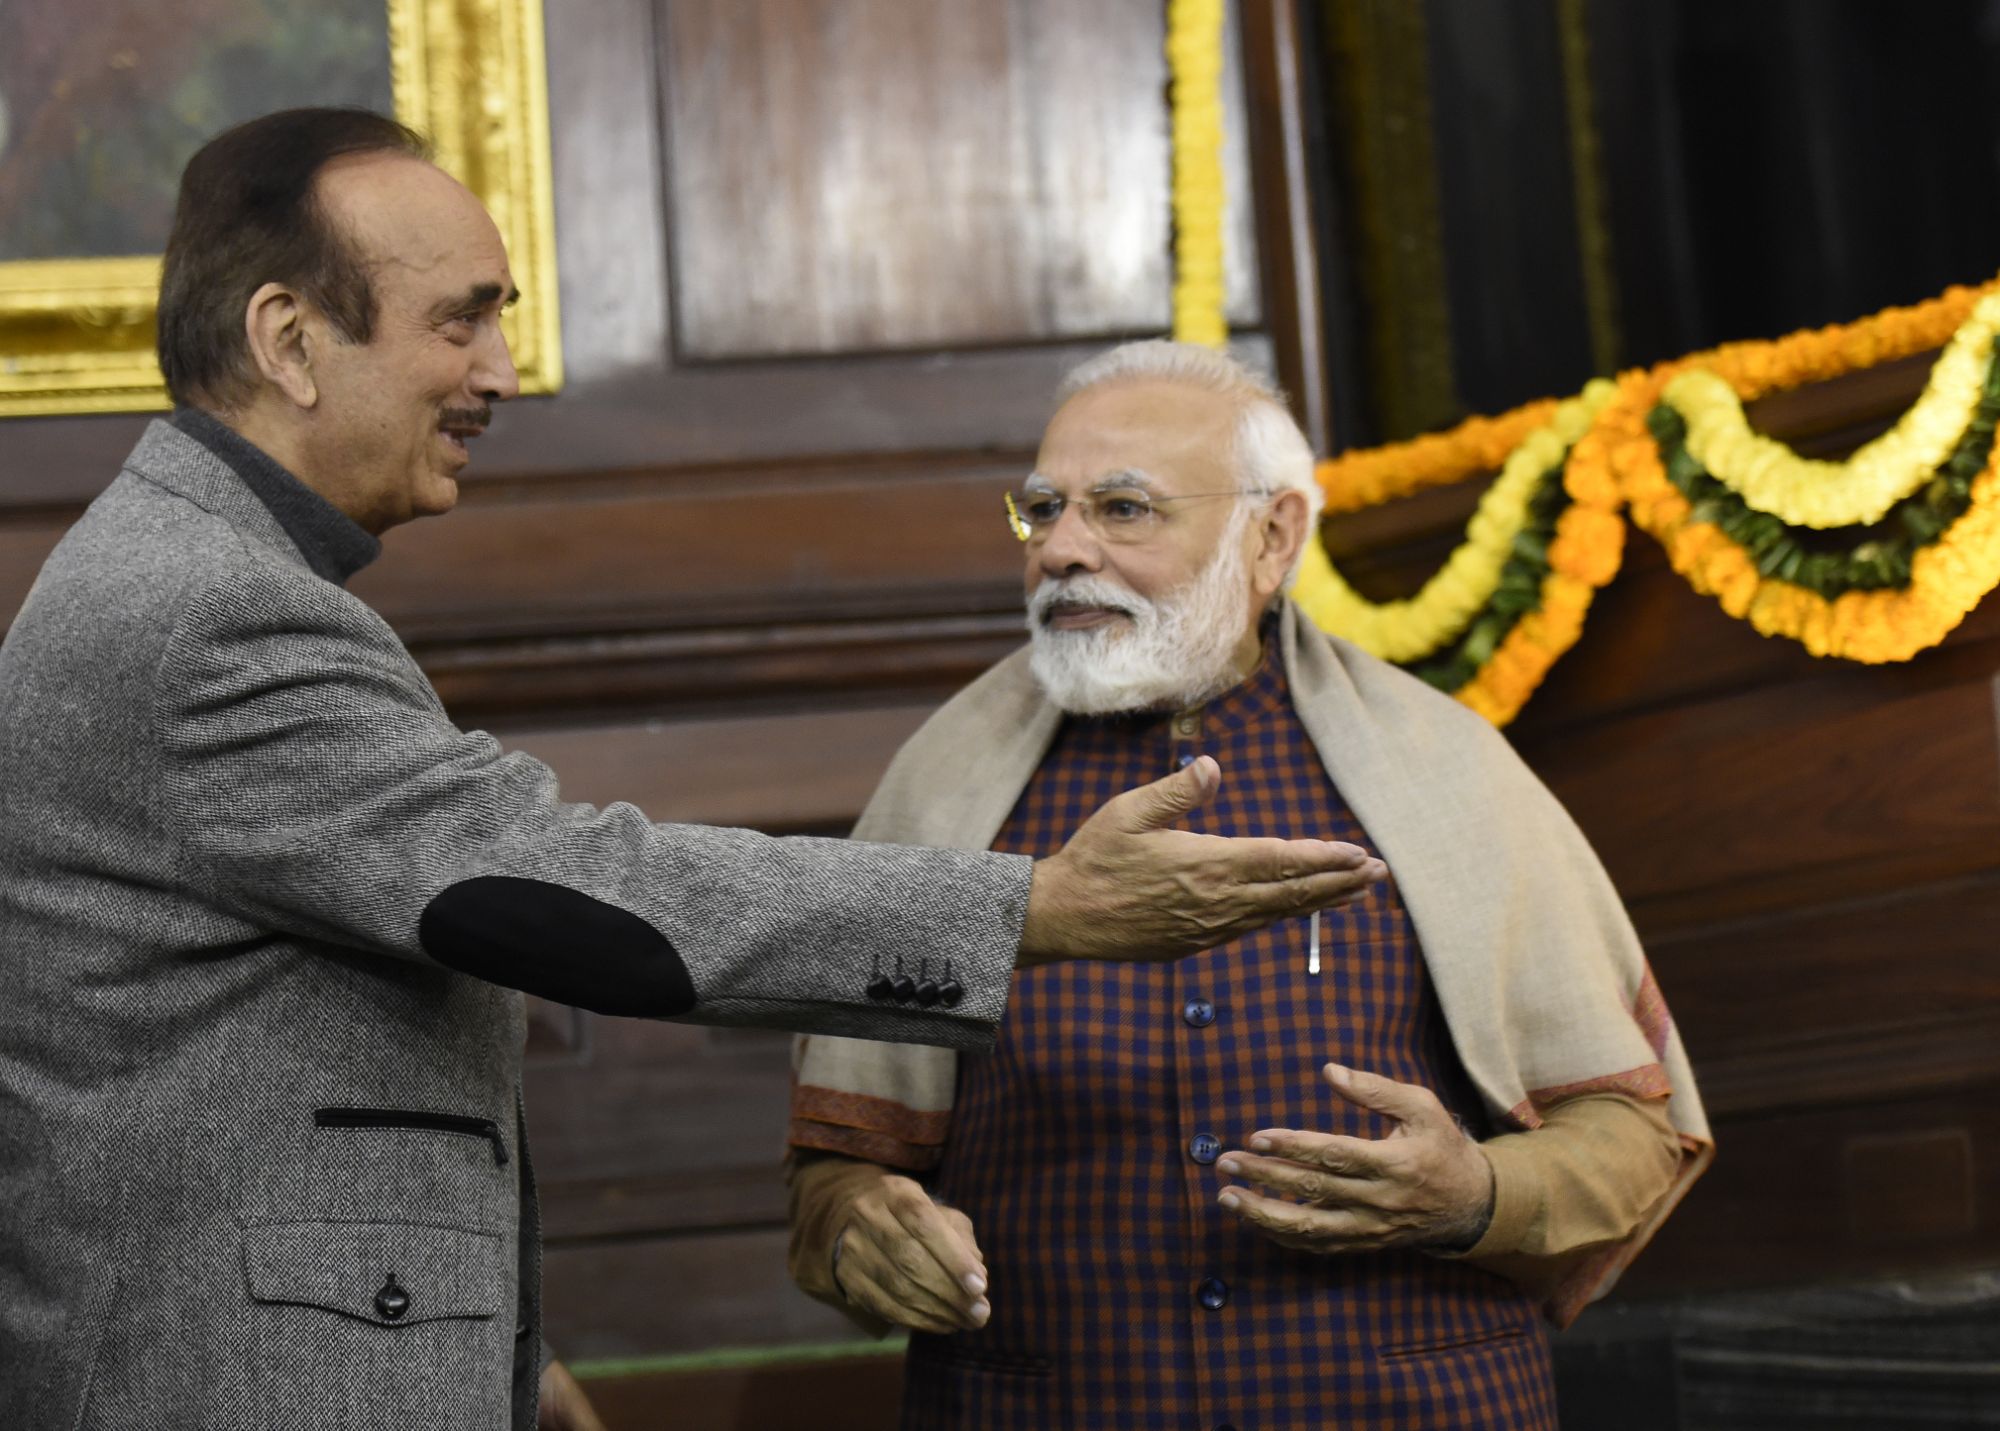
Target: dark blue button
x=1204, y=1147
x=1188, y=757
x=1199, y=1013
x=1213, y=1292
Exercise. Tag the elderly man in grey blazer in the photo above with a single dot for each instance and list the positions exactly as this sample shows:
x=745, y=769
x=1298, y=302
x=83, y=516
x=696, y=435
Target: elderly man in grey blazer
x=263, y=907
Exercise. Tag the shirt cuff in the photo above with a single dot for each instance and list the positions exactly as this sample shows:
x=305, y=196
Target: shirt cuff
x=1519, y=1202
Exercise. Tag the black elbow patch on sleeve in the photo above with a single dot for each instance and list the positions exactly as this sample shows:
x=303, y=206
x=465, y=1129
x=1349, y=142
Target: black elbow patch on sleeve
x=557, y=943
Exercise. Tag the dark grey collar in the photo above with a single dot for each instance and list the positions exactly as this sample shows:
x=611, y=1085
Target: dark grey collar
x=334, y=545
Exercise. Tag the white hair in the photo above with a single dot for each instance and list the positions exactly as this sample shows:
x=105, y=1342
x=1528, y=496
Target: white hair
x=1271, y=454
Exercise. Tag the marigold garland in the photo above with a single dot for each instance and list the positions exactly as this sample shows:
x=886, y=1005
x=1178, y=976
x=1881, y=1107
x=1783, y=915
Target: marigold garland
x=1948, y=576
x=1194, y=64
x=1872, y=559
x=1772, y=478
x=1410, y=630
x=1370, y=476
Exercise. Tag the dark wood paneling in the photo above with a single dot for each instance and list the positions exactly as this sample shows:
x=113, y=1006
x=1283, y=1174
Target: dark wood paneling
x=809, y=770
x=631, y=1297
x=1280, y=117
x=672, y=674
x=1781, y=1203
x=852, y=1393
x=657, y=551
x=962, y=171
x=1913, y=967
x=1698, y=819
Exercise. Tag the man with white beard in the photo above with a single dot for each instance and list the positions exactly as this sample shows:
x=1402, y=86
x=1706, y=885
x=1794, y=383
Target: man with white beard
x=1342, y=1170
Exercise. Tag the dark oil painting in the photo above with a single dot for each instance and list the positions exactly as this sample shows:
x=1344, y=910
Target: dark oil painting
x=102, y=102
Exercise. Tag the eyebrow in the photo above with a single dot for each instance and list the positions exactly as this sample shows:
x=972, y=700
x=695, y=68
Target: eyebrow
x=480, y=295
x=1124, y=480
x=1127, y=479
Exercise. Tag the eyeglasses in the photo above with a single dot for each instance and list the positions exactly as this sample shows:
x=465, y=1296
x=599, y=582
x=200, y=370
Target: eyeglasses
x=1118, y=514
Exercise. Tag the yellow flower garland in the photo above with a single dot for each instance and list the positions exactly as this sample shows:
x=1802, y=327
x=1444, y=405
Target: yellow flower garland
x=1194, y=60
x=1948, y=577
x=1420, y=626
x=1772, y=478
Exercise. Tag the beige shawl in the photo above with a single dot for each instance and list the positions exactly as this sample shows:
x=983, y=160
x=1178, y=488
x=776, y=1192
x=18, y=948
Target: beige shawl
x=1540, y=976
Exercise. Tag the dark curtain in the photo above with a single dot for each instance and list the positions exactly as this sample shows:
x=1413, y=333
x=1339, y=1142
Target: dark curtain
x=1520, y=193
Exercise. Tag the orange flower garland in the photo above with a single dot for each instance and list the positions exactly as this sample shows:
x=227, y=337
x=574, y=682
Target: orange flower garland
x=1588, y=548
x=1371, y=476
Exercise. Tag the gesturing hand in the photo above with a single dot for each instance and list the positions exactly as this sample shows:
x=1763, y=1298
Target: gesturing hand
x=1127, y=886
x=909, y=1260
x=1425, y=1185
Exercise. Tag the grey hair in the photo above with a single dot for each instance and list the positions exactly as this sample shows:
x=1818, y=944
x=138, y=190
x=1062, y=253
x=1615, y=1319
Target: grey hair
x=1272, y=454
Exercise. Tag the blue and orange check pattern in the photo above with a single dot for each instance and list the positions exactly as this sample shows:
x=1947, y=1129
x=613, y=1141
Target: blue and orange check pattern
x=1083, y=1147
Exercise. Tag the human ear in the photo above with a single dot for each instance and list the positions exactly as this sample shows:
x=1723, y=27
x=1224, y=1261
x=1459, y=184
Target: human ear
x=274, y=325
x=1281, y=535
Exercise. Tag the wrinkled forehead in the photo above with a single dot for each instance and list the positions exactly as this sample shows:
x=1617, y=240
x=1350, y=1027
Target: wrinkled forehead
x=1160, y=437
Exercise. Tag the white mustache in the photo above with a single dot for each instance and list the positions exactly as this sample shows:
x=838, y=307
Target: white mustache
x=1084, y=591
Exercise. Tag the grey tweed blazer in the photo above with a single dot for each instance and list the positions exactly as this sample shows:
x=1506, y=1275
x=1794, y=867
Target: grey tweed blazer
x=260, y=1161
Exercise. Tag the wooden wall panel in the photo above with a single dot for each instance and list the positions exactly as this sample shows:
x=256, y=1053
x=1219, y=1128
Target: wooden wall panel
x=1778, y=797
x=656, y=550
x=1796, y=1196
x=806, y=770
x=858, y=175
x=725, y=1288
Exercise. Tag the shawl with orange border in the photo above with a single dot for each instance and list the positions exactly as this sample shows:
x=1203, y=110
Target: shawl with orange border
x=1540, y=976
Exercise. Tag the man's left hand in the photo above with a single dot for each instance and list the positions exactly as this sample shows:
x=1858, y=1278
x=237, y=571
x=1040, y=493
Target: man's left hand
x=564, y=1407
x=1425, y=1185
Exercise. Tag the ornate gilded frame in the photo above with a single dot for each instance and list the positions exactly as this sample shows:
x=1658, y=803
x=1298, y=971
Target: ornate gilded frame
x=76, y=335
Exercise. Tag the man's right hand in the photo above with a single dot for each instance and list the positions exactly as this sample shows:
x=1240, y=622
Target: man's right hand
x=1127, y=886
x=905, y=1258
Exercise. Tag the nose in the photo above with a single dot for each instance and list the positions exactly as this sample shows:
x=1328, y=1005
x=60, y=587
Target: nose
x=1068, y=547
x=493, y=376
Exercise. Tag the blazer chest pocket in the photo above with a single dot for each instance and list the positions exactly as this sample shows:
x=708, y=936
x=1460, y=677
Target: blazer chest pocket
x=423, y=1120
x=353, y=1164
x=389, y=1273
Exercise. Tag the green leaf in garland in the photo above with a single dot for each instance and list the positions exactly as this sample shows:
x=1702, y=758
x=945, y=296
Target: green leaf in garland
x=1832, y=561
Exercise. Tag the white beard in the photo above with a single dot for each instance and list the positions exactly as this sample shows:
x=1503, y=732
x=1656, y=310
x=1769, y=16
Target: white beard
x=1179, y=650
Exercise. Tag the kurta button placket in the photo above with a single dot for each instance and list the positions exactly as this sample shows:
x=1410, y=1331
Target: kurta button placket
x=1213, y=1293
x=1198, y=1013
x=1204, y=1148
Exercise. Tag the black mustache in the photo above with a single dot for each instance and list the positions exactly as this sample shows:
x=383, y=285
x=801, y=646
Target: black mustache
x=481, y=416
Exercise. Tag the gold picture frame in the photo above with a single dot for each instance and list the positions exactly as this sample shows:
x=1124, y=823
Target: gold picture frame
x=76, y=335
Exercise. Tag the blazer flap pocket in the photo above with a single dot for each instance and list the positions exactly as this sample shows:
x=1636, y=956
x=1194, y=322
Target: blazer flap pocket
x=394, y=1274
